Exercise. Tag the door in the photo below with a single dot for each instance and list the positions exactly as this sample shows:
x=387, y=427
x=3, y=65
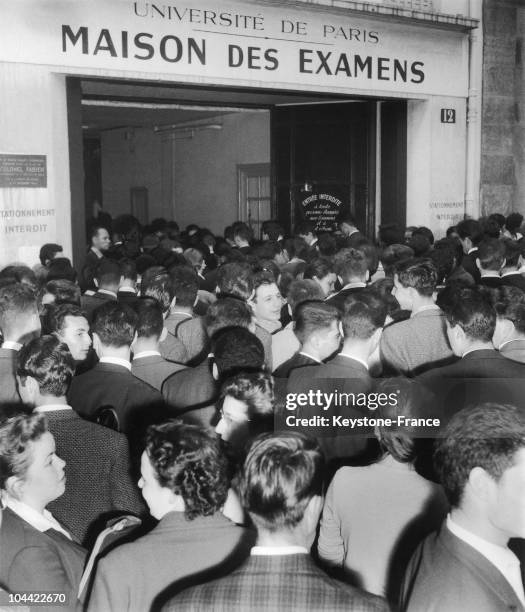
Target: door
x=254, y=195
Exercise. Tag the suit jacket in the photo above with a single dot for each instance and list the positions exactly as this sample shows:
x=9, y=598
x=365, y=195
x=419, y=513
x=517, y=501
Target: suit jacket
x=469, y=265
x=173, y=349
x=135, y=403
x=338, y=299
x=514, y=350
x=154, y=369
x=274, y=583
x=447, y=575
x=176, y=554
x=98, y=475
x=191, y=332
x=490, y=281
x=127, y=297
x=90, y=303
x=88, y=270
x=31, y=560
x=299, y=360
x=515, y=280
x=417, y=344
x=8, y=389
x=191, y=387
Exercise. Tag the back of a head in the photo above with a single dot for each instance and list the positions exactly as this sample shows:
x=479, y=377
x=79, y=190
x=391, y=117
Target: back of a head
x=393, y=255
x=48, y=252
x=114, y=323
x=391, y=234
x=319, y=268
x=470, y=228
x=304, y=228
x=60, y=268
x=364, y=314
x=156, y=286
x=48, y=361
x=128, y=269
x=314, y=317
x=107, y=274
x=420, y=244
x=513, y=221
x=235, y=279
x=183, y=285
x=194, y=257
x=424, y=231
x=281, y=474
x=420, y=274
x=472, y=311
x=487, y=436
x=491, y=254
x=63, y=291
x=227, y=312
x=327, y=244
x=57, y=313
x=301, y=291
x=21, y=274
x=188, y=461
x=235, y=349
x=513, y=251
x=509, y=303
x=150, y=320
x=18, y=308
x=255, y=389
x=350, y=264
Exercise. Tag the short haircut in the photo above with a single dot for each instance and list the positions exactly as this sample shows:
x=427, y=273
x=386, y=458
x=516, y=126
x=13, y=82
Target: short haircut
x=304, y=228
x=183, y=284
x=513, y=221
x=470, y=228
x=420, y=244
x=273, y=229
x=498, y=218
x=281, y=474
x=61, y=269
x=49, y=362
x=236, y=349
x=235, y=279
x=17, y=434
x=150, y=320
x=319, y=267
x=255, y=389
x=157, y=287
x=346, y=218
x=227, y=312
x=473, y=312
x=443, y=260
x=128, y=269
x=312, y=317
x=391, y=233
x=364, y=313
x=16, y=300
x=392, y=255
x=107, y=272
x=424, y=231
x=261, y=278
x=296, y=247
x=420, y=274
x=194, y=257
x=114, y=323
x=491, y=254
x=350, y=263
x=327, y=244
x=57, y=313
x=301, y=291
x=95, y=229
x=242, y=231
x=370, y=251
x=64, y=291
x=188, y=461
x=20, y=274
x=487, y=436
x=48, y=252
x=509, y=303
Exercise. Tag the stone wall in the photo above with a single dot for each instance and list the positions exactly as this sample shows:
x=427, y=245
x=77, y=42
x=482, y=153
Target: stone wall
x=503, y=120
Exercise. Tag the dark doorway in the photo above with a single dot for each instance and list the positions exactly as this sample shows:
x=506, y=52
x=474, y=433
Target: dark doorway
x=393, y=162
x=324, y=158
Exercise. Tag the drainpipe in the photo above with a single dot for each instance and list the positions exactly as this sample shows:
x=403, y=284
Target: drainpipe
x=474, y=102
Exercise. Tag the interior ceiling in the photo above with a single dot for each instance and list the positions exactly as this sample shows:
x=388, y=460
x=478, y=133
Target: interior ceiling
x=108, y=105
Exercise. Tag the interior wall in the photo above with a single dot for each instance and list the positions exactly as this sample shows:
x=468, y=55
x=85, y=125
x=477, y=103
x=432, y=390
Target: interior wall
x=190, y=180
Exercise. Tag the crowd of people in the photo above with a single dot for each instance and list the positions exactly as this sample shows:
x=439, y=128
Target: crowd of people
x=314, y=421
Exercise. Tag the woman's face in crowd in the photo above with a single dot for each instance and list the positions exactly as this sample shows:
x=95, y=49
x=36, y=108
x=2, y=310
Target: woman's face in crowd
x=45, y=479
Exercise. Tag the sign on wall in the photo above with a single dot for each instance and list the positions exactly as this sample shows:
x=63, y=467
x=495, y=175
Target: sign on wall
x=23, y=170
x=266, y=44
x=323, y=207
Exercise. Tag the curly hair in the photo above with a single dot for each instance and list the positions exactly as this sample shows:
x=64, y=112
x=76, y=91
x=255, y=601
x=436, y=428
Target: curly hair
x=17, y=433
x=189, y=462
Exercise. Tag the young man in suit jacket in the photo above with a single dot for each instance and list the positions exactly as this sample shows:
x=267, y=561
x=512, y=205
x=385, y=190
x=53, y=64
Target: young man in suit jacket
x=284, y=505
x=97, y=458
x=351, y=267
x=490, y=259
x=467, y=565
x=107, y=279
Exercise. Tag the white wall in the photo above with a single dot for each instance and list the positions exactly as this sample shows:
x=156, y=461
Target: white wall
x=191, y=180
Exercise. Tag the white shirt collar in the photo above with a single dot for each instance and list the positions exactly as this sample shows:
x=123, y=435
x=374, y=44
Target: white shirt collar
x=97, y=252
x=343, y=354
x=127, y=290
x=116, y=361
x=500, y=556
x=511, y=273
x=472, y=250
x=146, y=354
x=356, y=285
x=41, y=522
x=309, y=356
x=9, y=344
x=476, y=349
x=424, y=308
x=509, y=341
x=52, y=407
x=273, y=551
x=107, y=292
x=490, y=274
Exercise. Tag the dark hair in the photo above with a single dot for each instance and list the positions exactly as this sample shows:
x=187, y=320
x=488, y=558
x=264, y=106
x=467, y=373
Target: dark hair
x=313, y=316
x=61, y=269
x=390, y=234
x=301, y=291
x=235, y=279
x=280, y=476
x=509, y=303
x=424, y=231
x=491, y=254
x=498, y=218
x=255, y=389
x=16, y=300
x=227, y=312
x=128, y=269
x=472, y=311
x=487, y=436
x=443, y=258
x=327, y=244
x=63, y=291
x=364, y=313
x=235, y=349
x=156, y=286
x=273, y=229
x=107, y=272
x=49, y=362
x=303, y=228
x=421, y=274
x=48, y=252
x=350, y=263
x=370, y=251
x=95, y=228
x=262, y=278
x=188, y=461
x=150, y=320
x=17, y=434
x=346, y=217
x=20, y=274
x=513, y=250
x=491, y=227
x=57, y=313
x=420, y=244
x=470, y=228
x=513, y=222
x=319, y=267
x=242, y=231
x=114, y=323
x=392, y=255
x=296, y=247
x=183, y=284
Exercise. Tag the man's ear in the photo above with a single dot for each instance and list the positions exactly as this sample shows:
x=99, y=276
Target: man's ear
x=215, y=371
x=14, y=486
x=163, y=334
x=340, y=328
x=480, y=483
x=95, y=282
x=96, y=343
